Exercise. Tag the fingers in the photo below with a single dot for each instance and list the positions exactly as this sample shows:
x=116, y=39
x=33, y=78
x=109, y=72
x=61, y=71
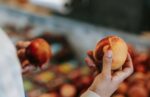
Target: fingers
x=128, y=67
x=128, y=62
x=25, y=63
x=28, y=69
x=90, y=54
x=43, y=67
x=90, y=62
x=107, y=62
x=23, y=60
x=97, y=64
x=21, y=54
x=91, y=65
x=22, y=44
x=127, y=70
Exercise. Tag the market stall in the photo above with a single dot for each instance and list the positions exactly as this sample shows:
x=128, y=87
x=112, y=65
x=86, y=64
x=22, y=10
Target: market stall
x=67, y=75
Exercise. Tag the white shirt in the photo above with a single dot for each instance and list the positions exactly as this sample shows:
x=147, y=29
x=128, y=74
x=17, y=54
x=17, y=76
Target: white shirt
x=11, y=83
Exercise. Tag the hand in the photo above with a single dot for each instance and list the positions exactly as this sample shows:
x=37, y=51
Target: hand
x=25, y=64
x=106, y=83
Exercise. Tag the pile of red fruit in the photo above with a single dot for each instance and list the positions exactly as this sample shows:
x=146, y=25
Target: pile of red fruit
x=75, y=83
x=138, y=84
x=60, y=84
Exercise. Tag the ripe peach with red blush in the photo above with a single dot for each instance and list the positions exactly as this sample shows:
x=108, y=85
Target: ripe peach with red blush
x=38, y=52
x=118, y=47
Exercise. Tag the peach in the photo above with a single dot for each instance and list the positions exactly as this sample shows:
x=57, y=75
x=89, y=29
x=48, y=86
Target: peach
x=68, y=90
x=119, y=50
x=38, y=52
x=122, y=88
x=137, y=79
x=22, y=1
x=139, y=68
x=86, y=80
x=148, y=85
x=118, y=95
x=53, y=94
x=147, y=81
x=136, y=91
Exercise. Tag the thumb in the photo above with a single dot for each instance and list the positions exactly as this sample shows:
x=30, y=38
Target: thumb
x=107, y=62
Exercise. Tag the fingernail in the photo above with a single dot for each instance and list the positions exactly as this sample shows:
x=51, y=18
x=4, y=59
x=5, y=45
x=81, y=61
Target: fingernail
x=109, y=54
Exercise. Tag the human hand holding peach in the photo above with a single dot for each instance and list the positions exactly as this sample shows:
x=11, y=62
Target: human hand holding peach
x=33, y=54
x=110, y=63
x=106, y=83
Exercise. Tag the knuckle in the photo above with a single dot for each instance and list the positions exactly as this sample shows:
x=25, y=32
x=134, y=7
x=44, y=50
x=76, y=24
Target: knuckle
x=108, y=60
x=132, y=70
x=106, y=77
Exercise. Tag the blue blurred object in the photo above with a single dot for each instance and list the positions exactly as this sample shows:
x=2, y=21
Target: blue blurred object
x=25, y=95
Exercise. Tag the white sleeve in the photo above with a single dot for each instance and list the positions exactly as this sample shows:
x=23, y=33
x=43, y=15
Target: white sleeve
x=89, y=93
x=11, y=83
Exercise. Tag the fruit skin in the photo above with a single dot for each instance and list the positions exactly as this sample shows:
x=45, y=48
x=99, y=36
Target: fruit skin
x=137, y=91
x=139, y=68
x=118, y=95
x=137, y=79
x=123, y=87
x=119, y=51
x=52, y=94
x=68, y=90
x=38, y=52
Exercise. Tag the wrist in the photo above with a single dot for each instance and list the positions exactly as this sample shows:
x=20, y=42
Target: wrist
x=97, y=91
x=90, y=93
x=94, y=90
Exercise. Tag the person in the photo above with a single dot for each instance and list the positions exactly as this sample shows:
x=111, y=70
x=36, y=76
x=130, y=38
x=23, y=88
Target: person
x=11, y=84
x=106, y=83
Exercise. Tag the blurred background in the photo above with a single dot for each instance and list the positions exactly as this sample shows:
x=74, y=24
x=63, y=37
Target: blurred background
x=72, y=27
